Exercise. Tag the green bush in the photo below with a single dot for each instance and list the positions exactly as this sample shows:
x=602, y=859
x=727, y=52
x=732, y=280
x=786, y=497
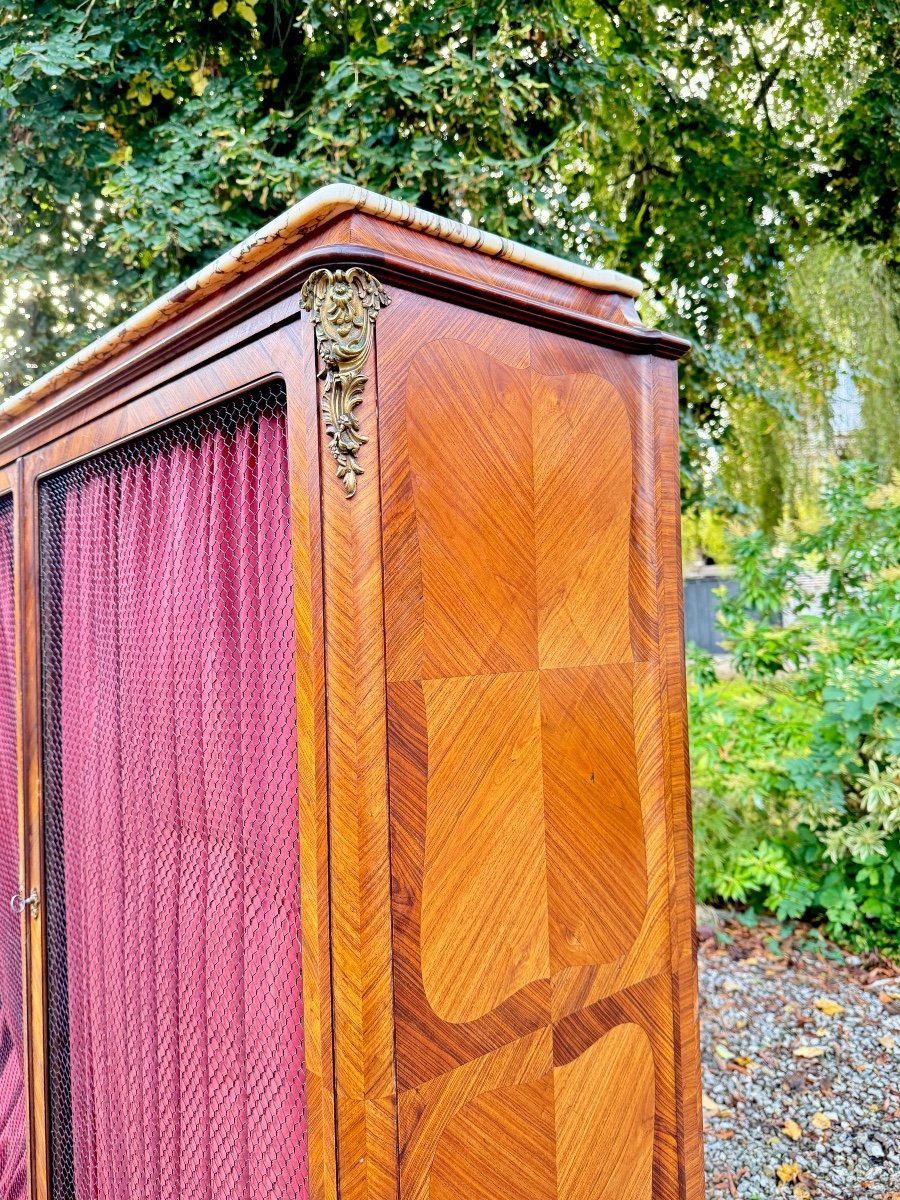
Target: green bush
x=796, y=761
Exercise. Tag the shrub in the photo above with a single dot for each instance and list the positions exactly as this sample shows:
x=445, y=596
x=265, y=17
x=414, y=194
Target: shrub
x=797, y=760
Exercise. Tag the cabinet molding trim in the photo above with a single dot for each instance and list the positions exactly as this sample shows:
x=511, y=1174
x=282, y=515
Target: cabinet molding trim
x=26, y=414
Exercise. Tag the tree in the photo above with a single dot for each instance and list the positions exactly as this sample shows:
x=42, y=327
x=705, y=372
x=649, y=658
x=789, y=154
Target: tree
x=702, y=146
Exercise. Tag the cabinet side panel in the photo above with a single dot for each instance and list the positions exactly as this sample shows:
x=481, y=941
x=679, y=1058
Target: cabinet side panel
x=538, y=1020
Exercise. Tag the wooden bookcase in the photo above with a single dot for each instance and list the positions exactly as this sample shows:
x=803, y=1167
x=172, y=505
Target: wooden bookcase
x=499, y=976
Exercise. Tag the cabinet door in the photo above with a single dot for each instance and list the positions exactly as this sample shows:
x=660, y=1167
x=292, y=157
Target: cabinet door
x=530, y=632
x=12, y=909
x=181, y=1054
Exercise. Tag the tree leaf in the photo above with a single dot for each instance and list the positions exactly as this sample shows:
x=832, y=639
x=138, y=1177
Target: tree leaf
x=792, y=1130
x=829, y=1007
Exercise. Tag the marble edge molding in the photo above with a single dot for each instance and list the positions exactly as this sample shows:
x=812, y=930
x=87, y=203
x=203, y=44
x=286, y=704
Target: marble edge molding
x=302, y=219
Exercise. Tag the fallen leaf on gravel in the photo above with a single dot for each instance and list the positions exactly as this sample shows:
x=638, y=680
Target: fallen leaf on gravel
x=724, y=1052
x=887, y=1041
x=820, y=1121
x=743, y=1061
x=724, y=1134
x=830, y=1008
x=792, y=1130
x=788, y=1172
x=802, y=1193
x=807, y=1051
x=709, y=1105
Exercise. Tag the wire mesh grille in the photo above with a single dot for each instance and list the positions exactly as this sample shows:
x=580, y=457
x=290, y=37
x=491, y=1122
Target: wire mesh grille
x=175, y=1054
x=12, y=1107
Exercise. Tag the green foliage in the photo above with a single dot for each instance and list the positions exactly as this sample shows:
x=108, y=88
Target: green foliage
x=797, y=760
x=701, y=146
x=704, y=534
x=861, y=185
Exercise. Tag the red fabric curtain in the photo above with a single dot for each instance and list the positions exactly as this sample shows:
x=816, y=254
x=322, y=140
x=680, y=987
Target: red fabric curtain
x=179, y=801
x=12, y=1105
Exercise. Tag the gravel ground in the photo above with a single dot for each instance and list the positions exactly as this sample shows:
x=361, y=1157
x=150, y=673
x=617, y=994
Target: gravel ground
x=801, y=1067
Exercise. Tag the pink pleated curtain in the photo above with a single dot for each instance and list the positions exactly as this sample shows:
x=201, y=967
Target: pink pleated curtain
x=179, y=819
x=12, y=1106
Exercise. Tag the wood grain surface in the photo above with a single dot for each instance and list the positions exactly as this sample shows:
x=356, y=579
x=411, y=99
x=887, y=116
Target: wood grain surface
x=540, y=895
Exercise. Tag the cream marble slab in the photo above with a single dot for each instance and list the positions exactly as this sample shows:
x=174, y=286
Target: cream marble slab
x=299, y=221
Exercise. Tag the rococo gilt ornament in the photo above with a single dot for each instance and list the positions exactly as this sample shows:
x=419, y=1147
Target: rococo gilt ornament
x=343, y=306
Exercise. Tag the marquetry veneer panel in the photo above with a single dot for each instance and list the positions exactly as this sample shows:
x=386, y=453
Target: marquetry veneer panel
x=527, y=799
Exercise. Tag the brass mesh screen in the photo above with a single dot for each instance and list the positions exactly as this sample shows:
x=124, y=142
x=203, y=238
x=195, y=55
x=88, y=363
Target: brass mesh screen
x=175, y=1056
